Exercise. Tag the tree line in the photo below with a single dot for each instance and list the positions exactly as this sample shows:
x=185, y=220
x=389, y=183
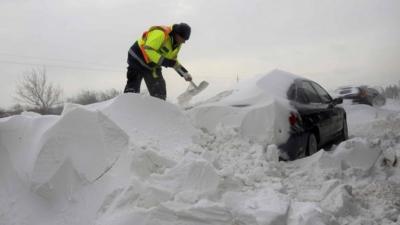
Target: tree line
x=391, y=91
x=35, y=93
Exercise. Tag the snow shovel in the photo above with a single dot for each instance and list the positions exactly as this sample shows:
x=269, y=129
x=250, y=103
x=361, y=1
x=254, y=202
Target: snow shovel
x=191, y=91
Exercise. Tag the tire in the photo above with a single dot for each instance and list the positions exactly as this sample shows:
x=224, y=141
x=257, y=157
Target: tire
x=312, y=144
x=378, y=101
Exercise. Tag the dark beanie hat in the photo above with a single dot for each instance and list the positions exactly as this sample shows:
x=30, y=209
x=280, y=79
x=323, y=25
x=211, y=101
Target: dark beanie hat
x=182, y=29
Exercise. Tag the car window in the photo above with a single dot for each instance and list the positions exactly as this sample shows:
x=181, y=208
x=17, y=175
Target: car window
x=344, y=91
x=301, y=96
x=295, y=93
x=324, y=95
x=291, y=94
x=310, y=92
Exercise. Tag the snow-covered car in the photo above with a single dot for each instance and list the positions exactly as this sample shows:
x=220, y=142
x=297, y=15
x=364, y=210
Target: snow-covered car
x=281, y=108
x=361, y=95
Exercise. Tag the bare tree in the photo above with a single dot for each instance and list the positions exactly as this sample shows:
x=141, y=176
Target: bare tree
x=35, y=91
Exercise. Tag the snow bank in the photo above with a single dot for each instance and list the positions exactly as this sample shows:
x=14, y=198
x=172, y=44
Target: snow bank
x=39, y=147
x=138, y=160
x=61, y=157
x=52, y=157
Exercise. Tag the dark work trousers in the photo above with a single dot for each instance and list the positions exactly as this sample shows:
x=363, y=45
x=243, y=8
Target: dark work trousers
x=154, y=80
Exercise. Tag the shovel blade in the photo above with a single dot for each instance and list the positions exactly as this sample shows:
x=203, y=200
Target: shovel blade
x=203, y=85
x=191, y=92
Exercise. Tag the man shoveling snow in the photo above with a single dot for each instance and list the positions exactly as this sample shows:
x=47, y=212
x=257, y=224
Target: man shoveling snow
x=159, y=46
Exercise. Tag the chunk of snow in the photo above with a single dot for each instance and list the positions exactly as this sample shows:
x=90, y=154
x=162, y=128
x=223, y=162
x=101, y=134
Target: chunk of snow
x=340, y=201
x=89, y=139
x=267, y=207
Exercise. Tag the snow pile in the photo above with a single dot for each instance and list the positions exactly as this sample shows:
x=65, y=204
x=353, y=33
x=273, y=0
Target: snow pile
x=53, y=157
x=145, y=121
x=139, y=160
x=257, y=107
x=61, y=158
x=39, y=146
x=258, y=89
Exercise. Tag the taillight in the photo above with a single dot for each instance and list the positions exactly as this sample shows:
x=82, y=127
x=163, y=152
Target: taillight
x=293, y=118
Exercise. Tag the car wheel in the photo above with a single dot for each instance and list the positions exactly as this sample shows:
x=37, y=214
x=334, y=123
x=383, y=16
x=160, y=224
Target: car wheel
x=378, y=101
x=312, y=145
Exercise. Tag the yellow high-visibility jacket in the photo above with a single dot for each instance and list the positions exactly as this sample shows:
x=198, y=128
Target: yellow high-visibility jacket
x=156, y=44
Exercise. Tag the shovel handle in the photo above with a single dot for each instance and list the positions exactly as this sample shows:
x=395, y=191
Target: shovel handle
x=193, y=84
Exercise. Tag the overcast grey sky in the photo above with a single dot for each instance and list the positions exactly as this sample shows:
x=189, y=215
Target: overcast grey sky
x=84, y=43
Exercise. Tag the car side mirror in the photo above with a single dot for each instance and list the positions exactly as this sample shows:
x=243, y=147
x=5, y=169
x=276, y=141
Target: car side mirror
x=337, y=101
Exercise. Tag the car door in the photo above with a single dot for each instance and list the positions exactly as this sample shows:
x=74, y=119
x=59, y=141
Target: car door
x=334, y=112
x=316, y=111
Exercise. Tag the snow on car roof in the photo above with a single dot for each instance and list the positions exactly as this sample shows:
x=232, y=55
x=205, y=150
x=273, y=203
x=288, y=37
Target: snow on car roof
x=261, y=88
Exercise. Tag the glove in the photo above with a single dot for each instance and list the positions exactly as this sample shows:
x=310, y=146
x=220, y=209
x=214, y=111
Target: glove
x=180, y=69
x=187, y=76
x=168, y=62
x=183, y=72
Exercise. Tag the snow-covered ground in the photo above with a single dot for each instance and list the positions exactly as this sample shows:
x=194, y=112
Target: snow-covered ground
x=138, y=160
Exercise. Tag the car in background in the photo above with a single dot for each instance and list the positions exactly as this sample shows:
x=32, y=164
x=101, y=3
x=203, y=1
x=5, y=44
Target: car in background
x=361, y=95
x=292, y=112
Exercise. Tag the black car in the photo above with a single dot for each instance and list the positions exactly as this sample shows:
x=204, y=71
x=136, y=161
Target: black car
x=280, y=108
x=361, y=95
x=317, y=122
